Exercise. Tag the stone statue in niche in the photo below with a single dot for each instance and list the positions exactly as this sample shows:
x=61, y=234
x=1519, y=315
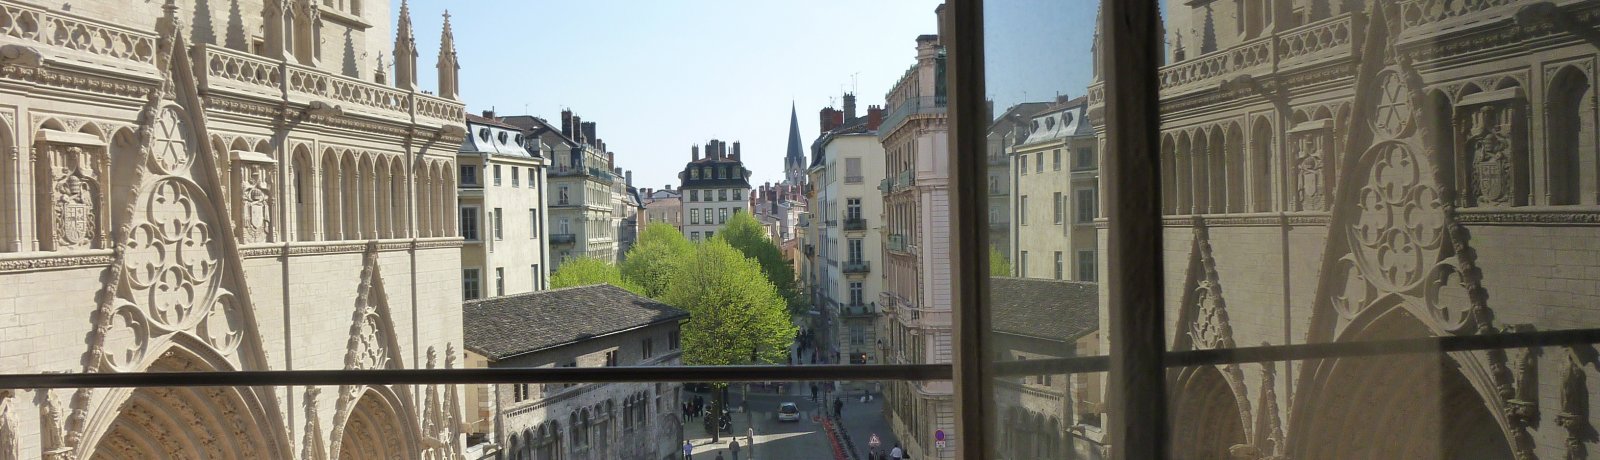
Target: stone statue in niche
x=74, y=192
x=1574, y=416
x=1309, y=165
x=255, y=192
x=1493, y=177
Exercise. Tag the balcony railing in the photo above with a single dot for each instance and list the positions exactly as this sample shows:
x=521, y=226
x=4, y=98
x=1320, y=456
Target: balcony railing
x=854, y=224
x=563, y=238
x=243, y=74
x=857, y=266
x=1317, y=43
x=896, y=243
x=860, y=310
x=934, y=105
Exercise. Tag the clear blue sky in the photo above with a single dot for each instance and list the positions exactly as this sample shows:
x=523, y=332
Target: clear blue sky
x=659, y=77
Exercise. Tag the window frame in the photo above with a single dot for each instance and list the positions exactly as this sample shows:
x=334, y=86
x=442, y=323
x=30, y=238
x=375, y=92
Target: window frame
x=476, y=231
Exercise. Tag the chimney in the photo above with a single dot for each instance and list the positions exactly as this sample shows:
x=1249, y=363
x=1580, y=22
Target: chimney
x=577, y=129
x=825, y=117
x=566, y=123
x=712, y=148
x=735, y=150
x=668, y=187
x=696, y=150
x=488, y=113
x=627, y=178
x=588, y=134
x=849, y=107
x=611, y=160
x=874, y=117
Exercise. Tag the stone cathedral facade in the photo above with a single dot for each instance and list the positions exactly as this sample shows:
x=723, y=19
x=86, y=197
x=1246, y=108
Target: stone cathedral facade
x=1343, y=171
x=199, y=185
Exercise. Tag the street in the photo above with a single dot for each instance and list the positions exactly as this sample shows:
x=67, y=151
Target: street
x=803, y=440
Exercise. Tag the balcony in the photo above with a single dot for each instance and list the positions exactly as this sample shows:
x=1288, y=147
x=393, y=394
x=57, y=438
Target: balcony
x=857, y=267
x=896, y=243
x=1319, y=43
x=252, y=77
x=563, y=238
x=855, y=224
x=912, y=106
x=870, y=309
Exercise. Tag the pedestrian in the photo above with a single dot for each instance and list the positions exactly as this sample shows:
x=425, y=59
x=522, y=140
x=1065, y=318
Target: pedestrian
x=838, y=407
x=733, y=446
x=719, y=455
x=813, y=391
x=688, y=450
x=750, y=438
x=896, y=453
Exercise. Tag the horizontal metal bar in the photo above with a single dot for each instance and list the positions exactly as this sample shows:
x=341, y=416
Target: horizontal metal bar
x=1313, y=351
x=482, y=376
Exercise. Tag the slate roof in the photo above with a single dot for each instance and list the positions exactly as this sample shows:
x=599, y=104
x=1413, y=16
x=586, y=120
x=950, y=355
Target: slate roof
x=1046, y=309
x=507, y=326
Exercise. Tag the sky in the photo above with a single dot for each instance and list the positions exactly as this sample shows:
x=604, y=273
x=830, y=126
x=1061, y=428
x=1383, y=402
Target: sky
x=659, y=77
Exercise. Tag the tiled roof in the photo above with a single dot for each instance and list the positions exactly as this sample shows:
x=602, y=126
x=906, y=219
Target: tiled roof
x=507, y=326
x=495, y=122
x=1047, y=309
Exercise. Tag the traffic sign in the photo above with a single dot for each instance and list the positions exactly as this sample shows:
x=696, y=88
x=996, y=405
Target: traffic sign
x=938, y=444
x=938, y=435
x=873, y=442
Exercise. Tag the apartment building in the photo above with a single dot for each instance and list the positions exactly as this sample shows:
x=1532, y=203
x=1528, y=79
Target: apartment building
x=1006, y=131
x=581, y=191
x=662, y=205
x=1053, y=200
x=848, y=162
x=501, y=210
x=713, y=188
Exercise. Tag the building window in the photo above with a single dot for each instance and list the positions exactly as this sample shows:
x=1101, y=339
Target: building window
x=469, y=223
x=533, y=179
x=611, y=358
x=649, y=347
x=852, y=170
x=565, y=226
x=1085, y=159
x=515, y=181
x=1060, y=265
x=1022, y=166
x=1086, y=205
x=1086, y=265
x=1022, y=210
x=533, y=223
x=858, y=337
x=852, y=208
x=722, y=216
x=1055, y=160
x=1060, y=214
x=674, y=340
x=469, y=175
x=1022, y=265
x=710, y=234
x=694, y=236
x=855, y=250
x=1038, y=162
x=857, y=295
x=561, y=197
x=694, y=216
x=499, y=281
x=499, y=221
x=496, y=175
x=469, y=284
x=694, y=195
x=538, y=278
x=736, y=194
x=722, y=195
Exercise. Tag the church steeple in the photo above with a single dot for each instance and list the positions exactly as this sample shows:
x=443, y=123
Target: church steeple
x=405, y=52
x=794, y=163
x=449, y=69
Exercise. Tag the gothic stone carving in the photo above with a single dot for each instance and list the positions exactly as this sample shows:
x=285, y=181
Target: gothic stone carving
x=9, y=448
x=254, y=176
x=1491, y=127
x=1311, y=141
x=1574, y=416
x=71, y=189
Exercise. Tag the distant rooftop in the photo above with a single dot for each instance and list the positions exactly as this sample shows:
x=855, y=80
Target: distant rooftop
x=513, y=325
x=1044, y=309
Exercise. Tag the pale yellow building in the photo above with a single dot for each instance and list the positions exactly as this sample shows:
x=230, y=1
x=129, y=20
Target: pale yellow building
x=502, y=210
x=220, y=186
x=848, y=162
x=1054, y=177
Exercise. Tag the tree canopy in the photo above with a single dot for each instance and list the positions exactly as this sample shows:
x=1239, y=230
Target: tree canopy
x=657, y=252
x=747, y=235
x=998, y=265
x=735, y=313
x=585, y=271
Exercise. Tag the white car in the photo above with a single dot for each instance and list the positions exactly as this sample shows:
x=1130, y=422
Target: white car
x=788, y=412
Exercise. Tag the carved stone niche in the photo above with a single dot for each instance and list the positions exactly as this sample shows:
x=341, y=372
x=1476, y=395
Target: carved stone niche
x=253, y=180
x=1311, y=161
x=1491, y=129
x=72, y=172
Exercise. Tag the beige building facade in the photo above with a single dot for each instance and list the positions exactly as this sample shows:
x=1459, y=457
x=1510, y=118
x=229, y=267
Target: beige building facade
x=1053, y=196
x=662, y=205
x=1334, y=172
x=712, y=189
x=850, y=161
x=916, y=261
x=184, y=193
x=502, y=213
x=581, y=195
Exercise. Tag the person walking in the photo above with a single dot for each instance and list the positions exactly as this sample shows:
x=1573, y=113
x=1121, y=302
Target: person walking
x=838, y=407
x=733, y=447
x=688, y=450
x=813, y=391
x=896, y=453
x=719, y=455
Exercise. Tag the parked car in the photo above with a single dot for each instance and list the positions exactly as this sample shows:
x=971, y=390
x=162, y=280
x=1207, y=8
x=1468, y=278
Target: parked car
x=788, y=412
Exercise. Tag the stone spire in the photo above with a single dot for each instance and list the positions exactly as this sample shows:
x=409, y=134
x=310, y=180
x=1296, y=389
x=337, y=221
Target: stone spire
x=794, y=163
x=449, y=69
x=405, y=52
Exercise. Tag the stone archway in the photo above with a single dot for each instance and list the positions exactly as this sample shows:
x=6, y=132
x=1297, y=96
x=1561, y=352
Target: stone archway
x=1205, y=417
x=186, y=422
x=374, y=430
x=1397, y=406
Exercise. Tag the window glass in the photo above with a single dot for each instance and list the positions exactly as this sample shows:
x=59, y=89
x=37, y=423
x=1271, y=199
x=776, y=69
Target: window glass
x=497, y=175
x=469, y=284
x=469, y=223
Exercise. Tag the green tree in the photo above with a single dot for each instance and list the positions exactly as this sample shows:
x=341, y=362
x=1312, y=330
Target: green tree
x=654, y=257
x=585, y=271
x=747, y=235
x=998, y=265
x=735, y=314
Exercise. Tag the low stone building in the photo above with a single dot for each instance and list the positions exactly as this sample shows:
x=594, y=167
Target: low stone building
x=1047, y=416
x=587, y=326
